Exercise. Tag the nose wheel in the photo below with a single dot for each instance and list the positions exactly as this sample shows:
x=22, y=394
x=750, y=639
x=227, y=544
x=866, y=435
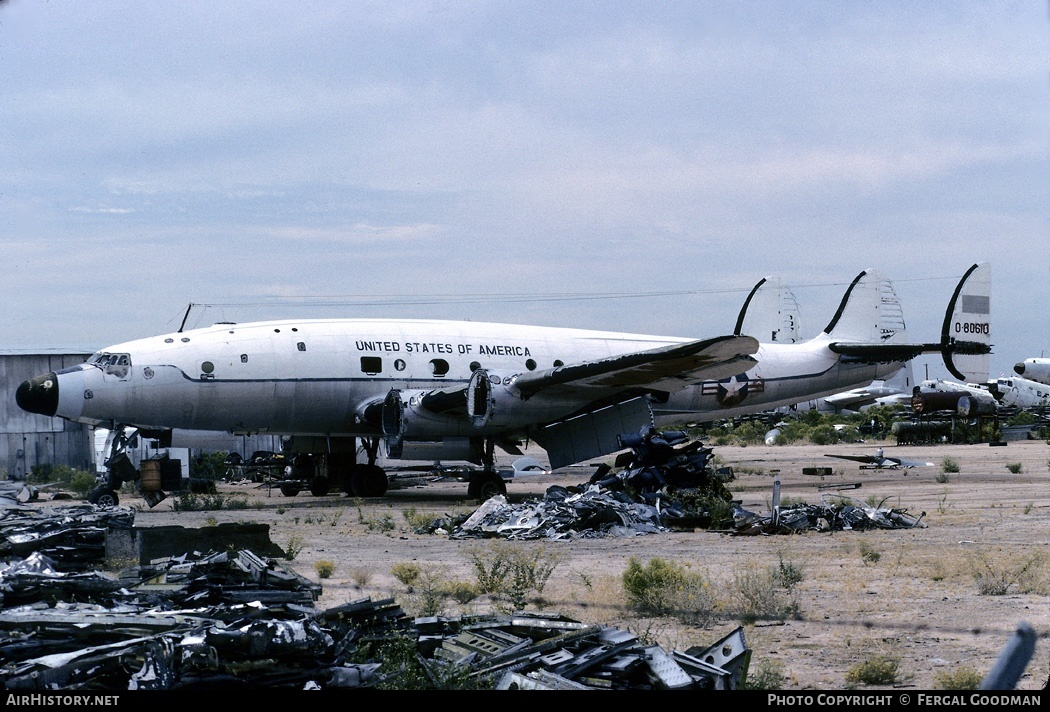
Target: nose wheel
x=103, y=497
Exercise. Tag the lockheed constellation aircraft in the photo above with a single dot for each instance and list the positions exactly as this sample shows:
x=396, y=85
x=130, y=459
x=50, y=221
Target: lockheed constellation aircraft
x=455, y=390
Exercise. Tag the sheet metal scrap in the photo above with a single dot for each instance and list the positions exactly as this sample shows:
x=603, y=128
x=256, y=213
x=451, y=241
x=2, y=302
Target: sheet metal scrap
x=73, y=536
x=561, y=514
x=233, y=619
x=535, y=652
x=837, y=512
x=239, y=576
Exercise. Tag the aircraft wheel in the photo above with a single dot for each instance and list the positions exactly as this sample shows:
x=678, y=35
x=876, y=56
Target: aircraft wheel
x=103, y=497
x=368, y=481
x=289, y=489
x=486, y=486
x=319, y=486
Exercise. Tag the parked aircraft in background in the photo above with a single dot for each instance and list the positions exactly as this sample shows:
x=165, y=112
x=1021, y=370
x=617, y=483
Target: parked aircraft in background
x=1035, y=369
x=1017, y=392
x=453, y=390
x=965, y=399
x=893, y=391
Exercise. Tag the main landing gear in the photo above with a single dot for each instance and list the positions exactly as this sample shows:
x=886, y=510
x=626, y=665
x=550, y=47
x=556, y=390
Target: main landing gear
x=486, y=483
x=320, y=473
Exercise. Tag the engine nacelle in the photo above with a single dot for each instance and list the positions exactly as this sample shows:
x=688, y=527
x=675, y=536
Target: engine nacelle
x=494, y=402
x=409, y=415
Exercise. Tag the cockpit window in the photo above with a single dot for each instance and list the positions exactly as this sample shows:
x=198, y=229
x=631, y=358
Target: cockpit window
x=113, y=364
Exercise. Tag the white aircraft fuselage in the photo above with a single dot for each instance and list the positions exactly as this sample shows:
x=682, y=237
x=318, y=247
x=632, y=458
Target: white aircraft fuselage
x=316, y=377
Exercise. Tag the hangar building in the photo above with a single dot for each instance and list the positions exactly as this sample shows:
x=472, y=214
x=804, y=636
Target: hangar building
x=28, y=439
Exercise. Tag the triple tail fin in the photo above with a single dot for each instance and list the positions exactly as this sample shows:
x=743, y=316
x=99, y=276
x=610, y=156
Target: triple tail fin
x=869, y=325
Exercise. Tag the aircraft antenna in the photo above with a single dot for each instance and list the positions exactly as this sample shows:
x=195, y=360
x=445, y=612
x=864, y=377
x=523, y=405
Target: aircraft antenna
x=185, y=317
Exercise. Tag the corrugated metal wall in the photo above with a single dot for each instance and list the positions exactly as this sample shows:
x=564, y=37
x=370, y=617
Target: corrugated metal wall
x=27, y=439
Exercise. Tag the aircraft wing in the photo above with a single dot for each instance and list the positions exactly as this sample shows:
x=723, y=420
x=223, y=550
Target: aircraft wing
x=668, y=368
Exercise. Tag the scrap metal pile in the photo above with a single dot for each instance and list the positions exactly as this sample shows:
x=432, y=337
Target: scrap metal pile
x=233, y=619
x=664, y=483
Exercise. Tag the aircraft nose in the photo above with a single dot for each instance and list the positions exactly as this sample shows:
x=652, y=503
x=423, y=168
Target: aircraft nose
x=39, y=395
x=1019, y=368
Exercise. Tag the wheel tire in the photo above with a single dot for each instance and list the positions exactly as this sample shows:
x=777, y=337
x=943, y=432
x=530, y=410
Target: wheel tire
x=368, y=481
x=289, y=489
x=486, y=487
x=103, y=497
x=319, y=486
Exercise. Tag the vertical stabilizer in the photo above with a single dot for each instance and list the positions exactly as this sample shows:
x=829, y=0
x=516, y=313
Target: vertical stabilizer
x=770, y=313
x=967, y=326
x=870, y=312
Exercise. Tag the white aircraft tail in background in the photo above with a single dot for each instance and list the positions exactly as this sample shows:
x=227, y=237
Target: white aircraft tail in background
x=770, y=313
x=968, y=320
x=1034, y=369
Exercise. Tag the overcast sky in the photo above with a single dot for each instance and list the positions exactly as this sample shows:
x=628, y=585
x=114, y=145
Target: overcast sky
x=633, y=166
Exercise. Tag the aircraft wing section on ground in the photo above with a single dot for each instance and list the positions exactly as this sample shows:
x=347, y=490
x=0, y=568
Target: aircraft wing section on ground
x=880, y=462
x=668, y=368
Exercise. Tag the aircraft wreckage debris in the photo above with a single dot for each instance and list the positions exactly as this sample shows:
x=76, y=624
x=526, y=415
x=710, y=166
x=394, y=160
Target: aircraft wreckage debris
x=234, y=620
x=662, y=485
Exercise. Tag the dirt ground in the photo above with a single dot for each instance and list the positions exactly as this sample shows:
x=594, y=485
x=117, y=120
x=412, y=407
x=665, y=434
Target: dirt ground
x=910, y=594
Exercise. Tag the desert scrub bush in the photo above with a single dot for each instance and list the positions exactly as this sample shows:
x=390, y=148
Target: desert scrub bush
x=949, y=464
x=191, y=502
x=462, y=591
x=767, y=675
x=719, y=511
x=82, y=482
x=868, y=554
x=405, y=572
x=965, y=678
x=942, y=478
x=1014, y=467
x=360, y=576
x=788, y=574
x=512, y=572
x=417, y=521
x=876, y=670
x=380, y=523
x=762, y=594
x=430, y=591
x=293, y=547
x=324, y=568
x=824, y=435
x=666, y=588
x=995, y=577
